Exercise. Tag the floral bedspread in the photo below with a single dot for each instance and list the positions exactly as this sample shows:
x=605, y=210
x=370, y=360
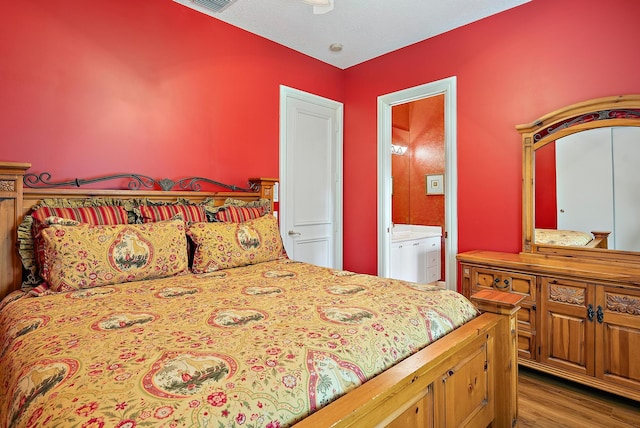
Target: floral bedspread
x=257, y=346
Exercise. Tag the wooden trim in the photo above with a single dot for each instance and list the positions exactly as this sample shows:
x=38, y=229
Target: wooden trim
x=11, y=196
x=497, y=302
x=590, y=381
x=535, y=135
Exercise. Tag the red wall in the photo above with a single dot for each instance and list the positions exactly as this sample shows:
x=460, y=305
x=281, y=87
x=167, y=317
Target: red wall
x=156, y=88
x=511, y=68
x=150, y=87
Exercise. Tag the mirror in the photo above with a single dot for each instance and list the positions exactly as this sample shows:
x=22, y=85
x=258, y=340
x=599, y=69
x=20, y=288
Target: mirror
x=587, y=182
x=580, y=180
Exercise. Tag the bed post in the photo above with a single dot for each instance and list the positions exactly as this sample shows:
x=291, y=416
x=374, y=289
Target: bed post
x=505, y=353
x=265, y=188
x=11, y=185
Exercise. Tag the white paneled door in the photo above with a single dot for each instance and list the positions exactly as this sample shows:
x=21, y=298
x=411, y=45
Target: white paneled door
x=311, y=177
x=584, y=181
x=597, y=184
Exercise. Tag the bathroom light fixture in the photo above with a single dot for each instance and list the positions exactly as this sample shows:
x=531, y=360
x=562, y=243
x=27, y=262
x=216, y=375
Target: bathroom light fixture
x=398, y=150
x=320, y=6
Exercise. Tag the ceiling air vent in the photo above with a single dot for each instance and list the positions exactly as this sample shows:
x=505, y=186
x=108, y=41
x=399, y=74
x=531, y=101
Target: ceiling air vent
x=216, y=6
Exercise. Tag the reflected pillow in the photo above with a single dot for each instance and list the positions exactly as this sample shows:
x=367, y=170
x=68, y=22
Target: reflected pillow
x=86, y=256
x=227, y=245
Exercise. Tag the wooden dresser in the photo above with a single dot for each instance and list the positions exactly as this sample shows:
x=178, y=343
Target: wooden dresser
x=579, y=320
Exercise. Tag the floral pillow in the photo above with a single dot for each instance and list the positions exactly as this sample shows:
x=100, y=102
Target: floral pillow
x=227, y=245
x=92, y=211
x=86, y=256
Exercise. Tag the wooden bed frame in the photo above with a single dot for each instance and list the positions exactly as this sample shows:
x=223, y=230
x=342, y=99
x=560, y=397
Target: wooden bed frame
x=467, y=378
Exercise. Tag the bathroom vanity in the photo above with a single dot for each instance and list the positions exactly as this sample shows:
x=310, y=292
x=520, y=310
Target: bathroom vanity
x=416, y=253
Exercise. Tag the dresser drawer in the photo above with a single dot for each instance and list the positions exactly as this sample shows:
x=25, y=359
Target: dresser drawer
x=489, y=278
x=504, y=281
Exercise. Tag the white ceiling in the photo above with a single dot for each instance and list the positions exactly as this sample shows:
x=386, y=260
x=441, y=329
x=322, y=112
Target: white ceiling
x=365, y=28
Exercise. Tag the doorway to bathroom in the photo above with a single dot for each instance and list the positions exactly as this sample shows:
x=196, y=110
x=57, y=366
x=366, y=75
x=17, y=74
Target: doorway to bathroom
x=417, y=186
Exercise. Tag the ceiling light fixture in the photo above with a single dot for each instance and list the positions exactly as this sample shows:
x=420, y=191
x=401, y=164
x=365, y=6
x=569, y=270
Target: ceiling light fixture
x=320, y=6
x=335, y=47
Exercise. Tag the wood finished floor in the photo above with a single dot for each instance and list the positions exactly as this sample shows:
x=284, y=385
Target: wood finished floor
x=548, y=402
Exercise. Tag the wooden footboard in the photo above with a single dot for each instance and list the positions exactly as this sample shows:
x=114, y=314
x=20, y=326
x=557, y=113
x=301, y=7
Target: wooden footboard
x=467, y=378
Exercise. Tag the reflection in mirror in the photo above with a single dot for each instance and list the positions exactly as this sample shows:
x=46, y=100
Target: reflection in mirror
x=580, y=174
x=586, y=182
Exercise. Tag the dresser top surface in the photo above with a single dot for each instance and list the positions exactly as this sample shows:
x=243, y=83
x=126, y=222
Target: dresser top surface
x=538, y=264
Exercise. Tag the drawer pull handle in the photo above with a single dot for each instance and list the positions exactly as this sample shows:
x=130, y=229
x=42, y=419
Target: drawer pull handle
x=600, y=315
x=502, y=287
x=590, y=312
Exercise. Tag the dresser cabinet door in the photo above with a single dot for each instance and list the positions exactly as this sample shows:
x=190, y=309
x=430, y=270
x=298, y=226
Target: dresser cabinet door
x=567, y=325
x=618, y=336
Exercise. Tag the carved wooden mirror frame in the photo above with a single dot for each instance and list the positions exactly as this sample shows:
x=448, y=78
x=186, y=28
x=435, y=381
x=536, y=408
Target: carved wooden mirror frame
x=621, y=110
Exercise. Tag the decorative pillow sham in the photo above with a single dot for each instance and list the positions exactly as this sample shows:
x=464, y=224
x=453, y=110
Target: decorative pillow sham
x=103, y=214
x=227, y=245
x=190, y=213
x=86, y=256
x=212, y=209
x=91, y=211
x=233, y=214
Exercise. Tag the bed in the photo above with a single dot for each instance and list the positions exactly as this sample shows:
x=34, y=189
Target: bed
x=204, y=339
x=572, y=238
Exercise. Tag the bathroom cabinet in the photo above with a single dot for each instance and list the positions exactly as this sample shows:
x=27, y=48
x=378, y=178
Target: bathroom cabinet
x=416, y=259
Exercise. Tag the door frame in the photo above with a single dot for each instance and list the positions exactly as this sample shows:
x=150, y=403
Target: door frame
x=285, y=94
x=446, y=87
